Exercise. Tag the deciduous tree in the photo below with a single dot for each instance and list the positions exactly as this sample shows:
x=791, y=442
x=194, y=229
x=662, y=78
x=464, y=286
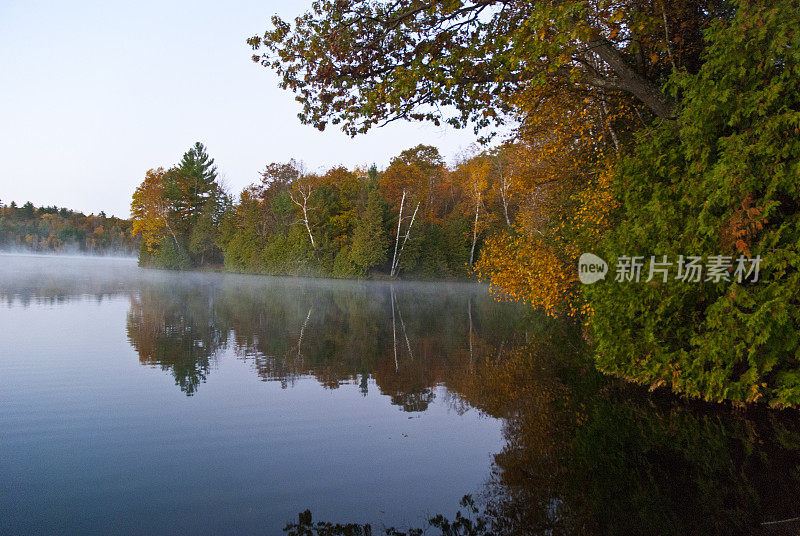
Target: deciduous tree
x=151, y=211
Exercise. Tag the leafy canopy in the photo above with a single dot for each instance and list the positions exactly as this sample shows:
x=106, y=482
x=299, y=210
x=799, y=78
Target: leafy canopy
x=360, y=63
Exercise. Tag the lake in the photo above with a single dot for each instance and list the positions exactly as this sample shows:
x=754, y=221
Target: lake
x=145, y=402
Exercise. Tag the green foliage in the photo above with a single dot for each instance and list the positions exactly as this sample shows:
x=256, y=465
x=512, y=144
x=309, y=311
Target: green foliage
x=145, y=256
x=172, y=255
x=187, y=204
x=288, y=253
x=727, y=183
x=438, y=251
x=456, y=245
x=281, y=207
x=343, y=265
x=193, y=183
x=352, y=215
x=203, y=236
x=370, y=240
x=242, y=253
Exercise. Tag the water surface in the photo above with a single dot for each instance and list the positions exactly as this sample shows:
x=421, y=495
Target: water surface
x=145, y=402
x=137, y=401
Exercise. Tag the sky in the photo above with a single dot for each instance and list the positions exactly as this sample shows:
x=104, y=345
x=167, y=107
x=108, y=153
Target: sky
x=95, y=93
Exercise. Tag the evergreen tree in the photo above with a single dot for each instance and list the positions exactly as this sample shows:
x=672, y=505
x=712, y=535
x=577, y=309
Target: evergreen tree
x=370, y=240
x=195, y=182
x=204, y=234
x=725, y=185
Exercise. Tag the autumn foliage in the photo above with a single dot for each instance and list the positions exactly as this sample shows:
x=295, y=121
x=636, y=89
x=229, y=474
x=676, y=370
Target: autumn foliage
x=60, y=230
x=643, y=127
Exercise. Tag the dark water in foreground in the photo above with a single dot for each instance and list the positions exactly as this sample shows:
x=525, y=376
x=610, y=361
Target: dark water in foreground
x=143, y=402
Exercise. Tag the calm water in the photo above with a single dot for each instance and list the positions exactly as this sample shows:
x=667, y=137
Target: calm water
x=143, y=402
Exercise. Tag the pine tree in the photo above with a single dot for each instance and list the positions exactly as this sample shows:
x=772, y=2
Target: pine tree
x=195, y=182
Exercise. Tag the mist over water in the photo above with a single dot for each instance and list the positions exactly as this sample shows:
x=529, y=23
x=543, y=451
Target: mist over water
x=142, y=401
x=138, y=401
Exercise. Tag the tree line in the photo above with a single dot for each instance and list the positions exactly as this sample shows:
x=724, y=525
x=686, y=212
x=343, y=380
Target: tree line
x=419, y=217
x=60, y=230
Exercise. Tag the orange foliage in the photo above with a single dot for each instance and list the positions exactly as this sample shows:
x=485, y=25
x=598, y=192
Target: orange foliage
x=570, y=143
x=150, y=210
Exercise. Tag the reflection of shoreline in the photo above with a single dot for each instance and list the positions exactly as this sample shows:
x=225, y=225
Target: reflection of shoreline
x=588, y=454
x=408, y=337
x=583, y=453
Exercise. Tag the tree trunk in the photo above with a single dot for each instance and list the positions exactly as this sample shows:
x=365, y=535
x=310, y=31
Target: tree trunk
x=405, y=239
x=629, y=80
x=666, y=35
x=607, y=121
x=397, y=238
x=308, y=227
x=475, y=230
x=503, y=192
x=171, y=232
x=304, y=207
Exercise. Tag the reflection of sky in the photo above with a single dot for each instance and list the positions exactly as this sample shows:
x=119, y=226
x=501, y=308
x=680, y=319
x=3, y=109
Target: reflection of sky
x=94, y=441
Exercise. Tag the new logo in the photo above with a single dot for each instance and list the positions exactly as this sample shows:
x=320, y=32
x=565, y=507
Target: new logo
x=591, y=268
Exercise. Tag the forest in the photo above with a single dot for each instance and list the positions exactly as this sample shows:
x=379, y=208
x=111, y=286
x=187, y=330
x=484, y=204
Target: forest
x=60, y=230
x=641, y=129
x=418, y=217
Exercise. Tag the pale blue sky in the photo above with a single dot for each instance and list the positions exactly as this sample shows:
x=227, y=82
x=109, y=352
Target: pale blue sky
x=94, y=93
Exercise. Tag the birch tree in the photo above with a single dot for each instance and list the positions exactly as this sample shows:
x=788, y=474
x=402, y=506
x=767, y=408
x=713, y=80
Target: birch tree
x=473, y=171
x=413, y=178
x=505, y=171
x=478, y=175
x=398, y=253
x=300, y=193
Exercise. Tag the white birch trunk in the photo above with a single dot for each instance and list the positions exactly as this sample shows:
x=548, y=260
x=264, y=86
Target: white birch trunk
x=475, y=229
x=304, y=195
x=504, y=197
x=397, y=238
x=405, y=239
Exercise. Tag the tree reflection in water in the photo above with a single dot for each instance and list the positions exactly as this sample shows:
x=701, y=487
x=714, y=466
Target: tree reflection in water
x=407, y=338
x=584, y=454
x=176, y=331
